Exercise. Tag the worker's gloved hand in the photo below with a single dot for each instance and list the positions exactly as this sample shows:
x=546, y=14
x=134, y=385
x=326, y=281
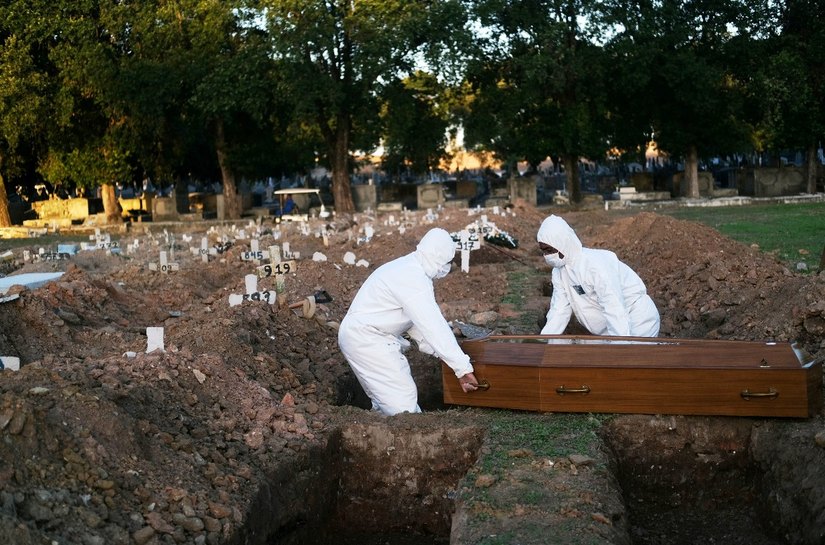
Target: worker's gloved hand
x=405, y=344
x=468, y=383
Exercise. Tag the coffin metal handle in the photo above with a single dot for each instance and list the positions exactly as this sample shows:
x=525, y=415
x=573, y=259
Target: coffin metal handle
x=561, y=390
x=483, y=384
x=771, y=393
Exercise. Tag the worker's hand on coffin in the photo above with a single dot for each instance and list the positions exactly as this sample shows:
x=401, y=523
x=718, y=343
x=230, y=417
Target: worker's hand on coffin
x=468, y=383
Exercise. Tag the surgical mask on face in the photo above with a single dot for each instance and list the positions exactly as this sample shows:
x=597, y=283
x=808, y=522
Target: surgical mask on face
x=554, y=260
x=443, y=270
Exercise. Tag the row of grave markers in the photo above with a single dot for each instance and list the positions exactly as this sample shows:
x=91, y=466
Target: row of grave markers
x=281, y=261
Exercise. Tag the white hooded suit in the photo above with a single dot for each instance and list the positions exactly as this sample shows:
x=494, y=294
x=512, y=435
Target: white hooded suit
x=607, y=296
x=399, y=298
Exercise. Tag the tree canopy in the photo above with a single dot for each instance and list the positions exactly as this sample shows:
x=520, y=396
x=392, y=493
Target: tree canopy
x=102, y=92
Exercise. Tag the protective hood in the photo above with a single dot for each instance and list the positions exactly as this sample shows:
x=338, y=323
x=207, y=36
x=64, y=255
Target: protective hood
x=435, y=250
x=555, y=232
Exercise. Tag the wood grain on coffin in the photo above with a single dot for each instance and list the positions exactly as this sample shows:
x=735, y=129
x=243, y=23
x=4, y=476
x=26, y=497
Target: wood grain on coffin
x=640, y=375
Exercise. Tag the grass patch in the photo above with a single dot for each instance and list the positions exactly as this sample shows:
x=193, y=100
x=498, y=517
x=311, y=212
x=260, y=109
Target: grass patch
x=546, y=435
x=795, y=233
x=523, y=288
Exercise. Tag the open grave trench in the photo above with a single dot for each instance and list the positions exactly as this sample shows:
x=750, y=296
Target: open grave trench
x=682, y=480
x=373, y=483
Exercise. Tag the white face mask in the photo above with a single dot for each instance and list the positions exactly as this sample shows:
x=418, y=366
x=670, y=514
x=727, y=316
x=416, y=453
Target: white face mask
x=443, y=271
x=554, y=260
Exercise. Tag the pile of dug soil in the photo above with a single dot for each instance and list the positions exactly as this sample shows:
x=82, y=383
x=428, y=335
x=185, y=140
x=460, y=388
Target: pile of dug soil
x=105, y=443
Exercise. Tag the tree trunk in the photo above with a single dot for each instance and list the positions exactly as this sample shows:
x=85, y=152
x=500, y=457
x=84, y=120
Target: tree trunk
x=810, y=170
x=5, y=216
x=232, y=202
x=111, y=206
x=339, y=154
x=691, y=179
x=571, y=169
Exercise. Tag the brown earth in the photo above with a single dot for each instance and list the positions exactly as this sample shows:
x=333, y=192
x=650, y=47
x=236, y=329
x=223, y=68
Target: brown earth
x=250, y=428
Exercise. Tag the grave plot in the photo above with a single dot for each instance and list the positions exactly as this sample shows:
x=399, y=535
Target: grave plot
x=249, y=427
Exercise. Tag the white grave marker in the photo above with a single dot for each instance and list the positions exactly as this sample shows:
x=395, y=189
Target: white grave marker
x=154, y=339
x=12, y=363
x=252, y=293
x=203, y=251
x=288, y=253
x=164, y=265
x=467, y=242
x=254, y=254
x=44, y=255
x=277, y=268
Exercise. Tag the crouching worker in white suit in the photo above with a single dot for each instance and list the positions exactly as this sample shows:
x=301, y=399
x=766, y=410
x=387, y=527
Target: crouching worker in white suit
x=398, y=298
x=606, y=296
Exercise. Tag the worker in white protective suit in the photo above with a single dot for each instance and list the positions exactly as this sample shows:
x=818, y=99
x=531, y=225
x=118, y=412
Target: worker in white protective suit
x=606, y=296
x=399, y=298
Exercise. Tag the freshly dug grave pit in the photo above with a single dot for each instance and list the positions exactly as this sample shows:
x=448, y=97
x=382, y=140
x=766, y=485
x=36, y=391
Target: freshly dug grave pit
x=690, y=480
x=388, y=482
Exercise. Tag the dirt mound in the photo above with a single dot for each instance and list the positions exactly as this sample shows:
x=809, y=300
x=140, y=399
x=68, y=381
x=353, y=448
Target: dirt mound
x=104, y=443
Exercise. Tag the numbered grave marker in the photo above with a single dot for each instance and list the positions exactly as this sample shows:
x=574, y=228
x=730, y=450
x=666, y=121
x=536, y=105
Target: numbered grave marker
x=275, y=260
x=252, y=293
x=255, y=254
x=467, y=243
x=289, y=254
x=203, y=251
x=46, y=255
x=102, y=242
x=279, y=268
x=164, y=265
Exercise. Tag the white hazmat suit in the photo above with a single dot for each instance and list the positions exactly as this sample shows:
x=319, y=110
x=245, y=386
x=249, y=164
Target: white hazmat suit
x=399, y=298
x=606, y=296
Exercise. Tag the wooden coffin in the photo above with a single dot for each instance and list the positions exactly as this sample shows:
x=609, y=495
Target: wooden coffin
x=639, y=375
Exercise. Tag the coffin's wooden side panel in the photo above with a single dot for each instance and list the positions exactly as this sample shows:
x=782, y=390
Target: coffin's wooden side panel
x=510, y=387
x=646, y=376
x=724, y=392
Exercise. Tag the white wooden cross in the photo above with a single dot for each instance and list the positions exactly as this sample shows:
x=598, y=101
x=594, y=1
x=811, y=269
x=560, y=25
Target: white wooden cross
x=203, y=251
x=287, y=253
x=164, y=265
x=45, y=255
x=277, y=268
x=467, y=243
x=255, y=254
x=252, y=293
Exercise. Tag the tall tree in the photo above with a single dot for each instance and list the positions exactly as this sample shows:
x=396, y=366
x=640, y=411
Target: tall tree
x=415, y=118
x=682, y=77
x=339, y=53
x=196, y=74
x=26, y=90
x=795, y=76
x=537, y=84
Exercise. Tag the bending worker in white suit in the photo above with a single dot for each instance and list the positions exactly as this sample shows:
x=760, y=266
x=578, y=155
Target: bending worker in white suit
x=606, y=296
x=399, y=298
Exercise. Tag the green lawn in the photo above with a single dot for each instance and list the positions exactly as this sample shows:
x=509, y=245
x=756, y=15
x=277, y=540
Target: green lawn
x=795, y=233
